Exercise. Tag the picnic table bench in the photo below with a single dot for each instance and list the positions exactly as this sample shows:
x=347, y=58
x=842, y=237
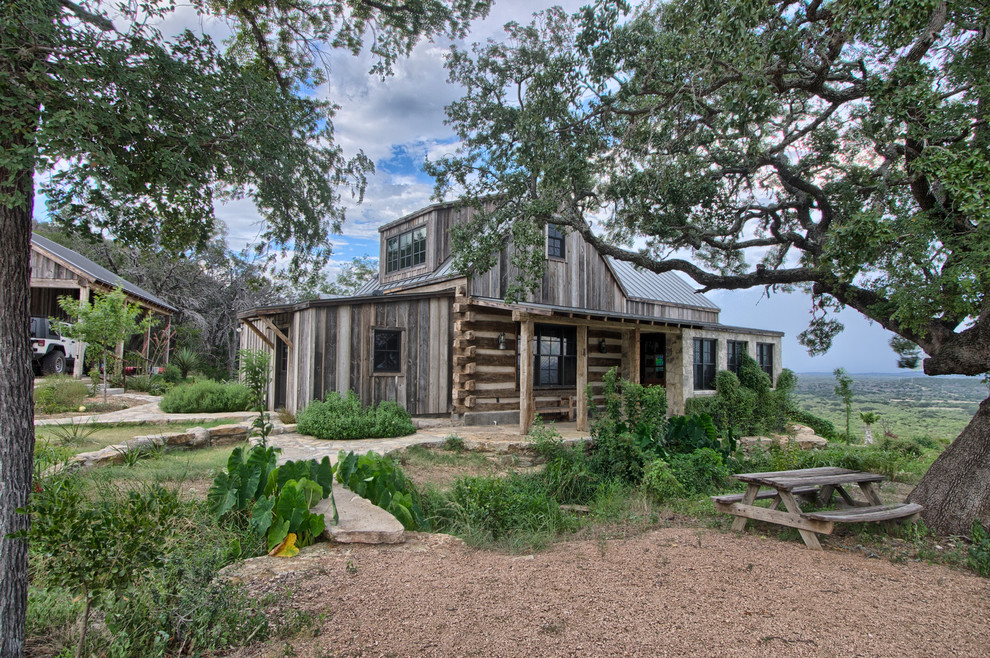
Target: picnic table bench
x=815, y=485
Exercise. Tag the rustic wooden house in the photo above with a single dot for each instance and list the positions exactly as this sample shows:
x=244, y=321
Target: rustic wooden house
x=441, y=343
x=57, y=271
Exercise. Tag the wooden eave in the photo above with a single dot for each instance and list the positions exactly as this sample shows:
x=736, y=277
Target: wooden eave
x=260, y=311
x=84, y=279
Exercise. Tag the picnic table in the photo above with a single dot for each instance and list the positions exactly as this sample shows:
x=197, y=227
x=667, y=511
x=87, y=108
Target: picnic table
x=816, y=485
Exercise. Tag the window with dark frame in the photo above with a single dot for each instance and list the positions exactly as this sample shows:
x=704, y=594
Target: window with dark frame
x=388, y=350
x=764, y=356
x=555, y=356
x=405, y=250
x=555, y=243
x=704, y=364
x=734, y=350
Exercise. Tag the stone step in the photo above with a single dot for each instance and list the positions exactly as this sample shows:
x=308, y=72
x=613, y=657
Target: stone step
x=360, y=521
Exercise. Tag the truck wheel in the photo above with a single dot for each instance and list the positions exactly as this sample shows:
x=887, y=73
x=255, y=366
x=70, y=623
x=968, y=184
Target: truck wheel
x=54, y=363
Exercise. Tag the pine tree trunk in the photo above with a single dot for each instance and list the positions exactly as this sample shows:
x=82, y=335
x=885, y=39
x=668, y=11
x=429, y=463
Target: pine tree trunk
x=16, y=408
x=956, y=489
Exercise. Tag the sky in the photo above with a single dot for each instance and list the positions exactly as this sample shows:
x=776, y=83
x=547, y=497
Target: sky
x=399, y=121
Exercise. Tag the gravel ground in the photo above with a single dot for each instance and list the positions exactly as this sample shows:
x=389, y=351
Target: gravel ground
x=669, y=592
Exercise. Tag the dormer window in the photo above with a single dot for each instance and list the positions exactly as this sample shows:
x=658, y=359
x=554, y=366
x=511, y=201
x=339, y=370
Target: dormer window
x=556, y=247
x=405, y=250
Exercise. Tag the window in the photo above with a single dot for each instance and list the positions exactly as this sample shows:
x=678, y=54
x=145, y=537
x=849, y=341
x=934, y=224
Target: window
x=388, y=350
x=733, y=354
x=555, y=242
x=764, y=356
x=555, y=358
x=405, y=250
x=704, y=364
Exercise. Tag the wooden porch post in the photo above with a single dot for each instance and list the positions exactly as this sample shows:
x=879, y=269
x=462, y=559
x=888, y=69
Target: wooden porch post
x=582, y=377
x=168, y=338
x=634, y=357
x=526, y=405
x=77, y=367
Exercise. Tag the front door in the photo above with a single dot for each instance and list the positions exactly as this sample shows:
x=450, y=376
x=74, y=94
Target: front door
x=653, y=359
x=281, y=369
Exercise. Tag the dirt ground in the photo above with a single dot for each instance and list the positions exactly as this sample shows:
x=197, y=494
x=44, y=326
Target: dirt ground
x=668, y=592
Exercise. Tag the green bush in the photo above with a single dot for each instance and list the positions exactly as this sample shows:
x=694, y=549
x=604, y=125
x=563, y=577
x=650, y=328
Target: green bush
x=660, y=482
x=339, y=417
x=152, y=384
x=146, y=560
x=910, y=447
x=172, y=374
x=821, y=426
x=979, y=550
x=747, y=404
x=59, y=393
x=494, y=509
x=700, y=472
x=206, y=396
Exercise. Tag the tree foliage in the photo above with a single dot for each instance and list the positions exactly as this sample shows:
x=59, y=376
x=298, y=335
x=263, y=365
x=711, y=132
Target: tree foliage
x=139, y=134
x=103, y=324
x=838, y=146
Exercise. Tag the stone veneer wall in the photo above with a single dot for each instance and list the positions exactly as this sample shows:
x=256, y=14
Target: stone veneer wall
x=721, y=351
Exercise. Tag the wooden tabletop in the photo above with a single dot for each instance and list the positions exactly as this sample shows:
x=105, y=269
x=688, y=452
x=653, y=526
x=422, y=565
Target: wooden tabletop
x=824, y=476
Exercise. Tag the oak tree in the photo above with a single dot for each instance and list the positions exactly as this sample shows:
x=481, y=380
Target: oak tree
x=137, y=134
x=837, y=146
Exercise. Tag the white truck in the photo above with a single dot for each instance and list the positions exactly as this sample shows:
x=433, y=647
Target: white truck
x=50, y=353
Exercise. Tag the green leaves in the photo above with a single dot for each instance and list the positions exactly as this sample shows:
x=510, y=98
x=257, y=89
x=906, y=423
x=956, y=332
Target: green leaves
x=277, y=498
x=381, y=481
x=744, y=144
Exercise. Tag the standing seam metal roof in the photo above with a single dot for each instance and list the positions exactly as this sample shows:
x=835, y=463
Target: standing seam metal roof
x=668, y=287
x=98, y=272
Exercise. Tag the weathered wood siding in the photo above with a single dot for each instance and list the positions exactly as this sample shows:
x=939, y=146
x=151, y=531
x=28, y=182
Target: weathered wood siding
x=333, y=351
x=582, y=280
x=671, y=311
x=438, y=222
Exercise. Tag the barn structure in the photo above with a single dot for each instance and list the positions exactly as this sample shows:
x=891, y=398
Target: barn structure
x=57, y=271
x=442, y=343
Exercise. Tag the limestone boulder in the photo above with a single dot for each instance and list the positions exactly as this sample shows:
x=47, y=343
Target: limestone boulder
x=800, y=435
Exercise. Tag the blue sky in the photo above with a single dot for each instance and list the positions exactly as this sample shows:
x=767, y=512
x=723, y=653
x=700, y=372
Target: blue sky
x=400, y=121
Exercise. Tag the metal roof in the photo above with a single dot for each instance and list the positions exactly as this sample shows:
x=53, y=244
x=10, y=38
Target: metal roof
x=669, y=287
x=445, y=271
x=97, y=272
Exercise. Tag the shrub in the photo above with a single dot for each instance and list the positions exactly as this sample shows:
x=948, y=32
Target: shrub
x=821, y=426
x=979, y=551
x=153, y=559
x=153, y=384
x=172, y=374
x=59, y=393
x=700, y=472
x=910, y=447
x=206, y=396
x=746, y=404
x=660, y=482
x=629, y=431
x=492, y=508
x=339, y=417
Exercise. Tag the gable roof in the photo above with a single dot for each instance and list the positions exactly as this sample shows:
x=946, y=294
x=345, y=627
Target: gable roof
x=96, y=272
x=646, y=285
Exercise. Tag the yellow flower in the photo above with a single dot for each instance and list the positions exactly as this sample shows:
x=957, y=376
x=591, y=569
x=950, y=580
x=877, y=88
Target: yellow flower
x=82, y=408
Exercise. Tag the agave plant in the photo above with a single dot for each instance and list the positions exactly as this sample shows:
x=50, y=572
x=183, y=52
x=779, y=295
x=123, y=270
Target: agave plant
x=186, y=360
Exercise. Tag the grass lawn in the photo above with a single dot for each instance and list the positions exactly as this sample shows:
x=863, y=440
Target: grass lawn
x=87, y=438
x=192, y=471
